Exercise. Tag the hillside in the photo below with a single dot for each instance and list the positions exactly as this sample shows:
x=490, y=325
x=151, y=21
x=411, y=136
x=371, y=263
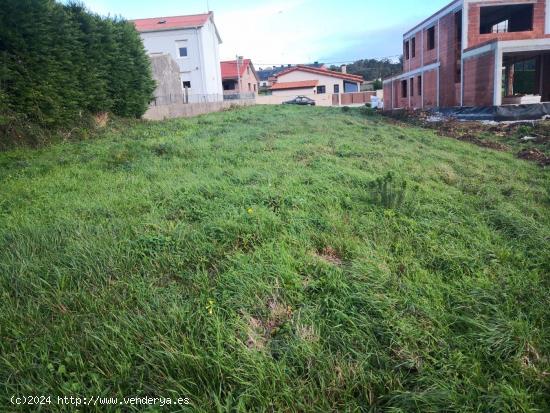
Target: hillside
x=276, y=259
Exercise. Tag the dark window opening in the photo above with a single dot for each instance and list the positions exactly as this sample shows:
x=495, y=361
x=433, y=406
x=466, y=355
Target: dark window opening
x=186, y=84
x=412, y=86
x=229, y=85
x=419, y=84
x=403, y=88
x=321, y=89
x=431, y=38
x=521, y=77
x=407, y=50
x=458, y=47
x=502, y=19
x=183, y=51
x=413, y=47
x=336, y=88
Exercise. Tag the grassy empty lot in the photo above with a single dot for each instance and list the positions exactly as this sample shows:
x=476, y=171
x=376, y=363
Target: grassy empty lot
x=247, y=261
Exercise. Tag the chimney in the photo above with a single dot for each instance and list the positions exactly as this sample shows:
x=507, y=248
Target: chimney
x=344, y=69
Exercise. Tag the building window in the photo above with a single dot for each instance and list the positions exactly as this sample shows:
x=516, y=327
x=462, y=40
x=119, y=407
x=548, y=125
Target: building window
x=249, y=87
x=502, y=19
x=186, y=84
x=407, y=50
x=413, y=47
x=403, y=88
x=183, y=51
x=255, y=87
x=336, y=88
x=431, y=38
x=321, y=89
x=412, y=86
x=419, y=85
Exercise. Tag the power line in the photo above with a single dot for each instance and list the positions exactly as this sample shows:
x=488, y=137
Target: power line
x=319, y=62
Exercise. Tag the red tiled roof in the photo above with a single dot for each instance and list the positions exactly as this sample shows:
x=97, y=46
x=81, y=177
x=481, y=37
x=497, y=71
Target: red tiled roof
x=170, y=23
x=229, y=68
x=295, y=85
x=324, y=72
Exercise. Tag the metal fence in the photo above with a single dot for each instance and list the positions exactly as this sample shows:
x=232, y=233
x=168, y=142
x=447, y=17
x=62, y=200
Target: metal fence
x=164, y=100
x=239, y=96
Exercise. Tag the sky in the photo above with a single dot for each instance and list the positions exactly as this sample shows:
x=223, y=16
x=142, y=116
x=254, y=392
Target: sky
x=275, y=32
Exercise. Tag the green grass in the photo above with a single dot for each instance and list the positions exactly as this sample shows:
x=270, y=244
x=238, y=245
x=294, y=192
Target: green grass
x=259, y=260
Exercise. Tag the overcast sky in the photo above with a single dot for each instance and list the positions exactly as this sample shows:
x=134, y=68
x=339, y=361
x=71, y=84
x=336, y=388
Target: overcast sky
x=293, y=31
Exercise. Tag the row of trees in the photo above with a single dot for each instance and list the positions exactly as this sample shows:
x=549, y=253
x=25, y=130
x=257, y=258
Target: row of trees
x=373, y=69
x=60, y=63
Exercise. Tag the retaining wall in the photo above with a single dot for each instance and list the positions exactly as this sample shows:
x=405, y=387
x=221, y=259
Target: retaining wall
x=182, y=110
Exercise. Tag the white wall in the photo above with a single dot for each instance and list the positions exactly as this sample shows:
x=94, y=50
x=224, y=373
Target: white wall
x=328, y=81
x=320, y=100
x=201, y=67
x=294, y=92
x=211, y=57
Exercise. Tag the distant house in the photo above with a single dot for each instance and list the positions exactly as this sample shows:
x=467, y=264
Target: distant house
x=193, y=41
x=301, y=87
x=239, y=77
x=267, y=75
x=305, y=80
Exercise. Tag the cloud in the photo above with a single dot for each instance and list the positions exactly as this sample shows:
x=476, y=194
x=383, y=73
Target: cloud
x=300, y=31
x=270, y=33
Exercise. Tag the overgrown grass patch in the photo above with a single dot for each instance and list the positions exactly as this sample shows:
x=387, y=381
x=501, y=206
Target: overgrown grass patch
x=245, y=260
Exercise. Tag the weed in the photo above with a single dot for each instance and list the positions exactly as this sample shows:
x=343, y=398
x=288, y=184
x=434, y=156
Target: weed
x=389, y=191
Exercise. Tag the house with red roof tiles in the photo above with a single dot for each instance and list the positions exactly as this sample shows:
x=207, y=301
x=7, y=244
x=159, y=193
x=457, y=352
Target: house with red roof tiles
x=306, y=80
x=193, y=42
x=239, y=77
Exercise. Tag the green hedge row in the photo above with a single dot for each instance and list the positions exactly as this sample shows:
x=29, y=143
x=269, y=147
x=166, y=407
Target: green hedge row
x=60, y=63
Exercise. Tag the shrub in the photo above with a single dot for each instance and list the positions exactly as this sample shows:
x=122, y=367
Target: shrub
x=388, y=191
x=60, y=64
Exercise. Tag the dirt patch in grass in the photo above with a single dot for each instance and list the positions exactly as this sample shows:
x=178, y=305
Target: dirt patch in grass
x=529, y=140
x=260, y=331
x=484, y=143
x=536, y=155
x=329, y=255
x=256, y=334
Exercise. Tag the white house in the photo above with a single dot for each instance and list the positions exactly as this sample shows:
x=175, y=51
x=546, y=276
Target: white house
x=193, y=41
x=305, y=80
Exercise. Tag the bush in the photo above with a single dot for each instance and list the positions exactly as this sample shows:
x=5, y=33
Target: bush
x=388, y=191
x=60, y=64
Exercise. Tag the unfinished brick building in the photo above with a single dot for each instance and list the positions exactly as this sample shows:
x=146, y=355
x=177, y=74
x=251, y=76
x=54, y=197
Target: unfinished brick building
x=475, y=53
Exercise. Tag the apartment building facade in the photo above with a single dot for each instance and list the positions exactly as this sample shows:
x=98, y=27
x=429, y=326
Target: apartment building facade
x=475, y=53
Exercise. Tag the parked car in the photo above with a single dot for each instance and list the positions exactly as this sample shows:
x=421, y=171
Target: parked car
x=300, y=100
